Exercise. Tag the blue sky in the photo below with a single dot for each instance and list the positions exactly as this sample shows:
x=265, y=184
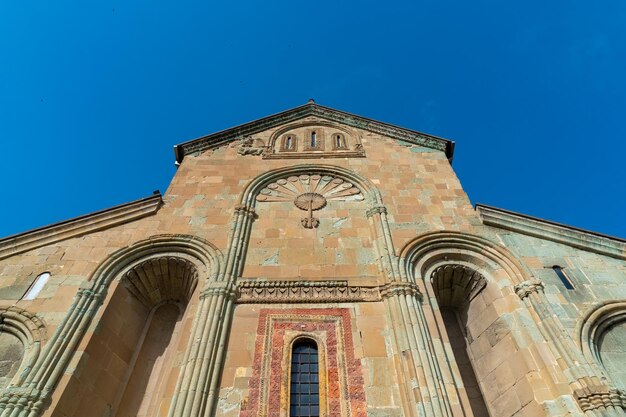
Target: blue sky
x=93, y=95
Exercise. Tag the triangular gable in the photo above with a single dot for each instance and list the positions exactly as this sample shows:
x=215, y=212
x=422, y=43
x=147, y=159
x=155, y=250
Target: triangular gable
x=312, y=109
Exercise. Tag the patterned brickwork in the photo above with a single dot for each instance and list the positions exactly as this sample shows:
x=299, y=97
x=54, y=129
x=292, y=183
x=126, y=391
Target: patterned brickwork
x=342, y=381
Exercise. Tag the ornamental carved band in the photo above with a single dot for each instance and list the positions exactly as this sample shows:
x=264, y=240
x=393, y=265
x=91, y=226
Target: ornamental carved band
x=600, y=396
x=304, y=291
x=318, y=292
x=525, y=288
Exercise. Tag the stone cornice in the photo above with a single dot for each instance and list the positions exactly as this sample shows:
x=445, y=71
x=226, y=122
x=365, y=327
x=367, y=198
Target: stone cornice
x=79, y=226
x=544, y=229
x=311, y=109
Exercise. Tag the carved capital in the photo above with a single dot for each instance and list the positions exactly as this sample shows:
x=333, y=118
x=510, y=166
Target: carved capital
x=244, y=209
x=400, y=288
x=30, y=399
x=376, y=210
x=524, y=289
x=600, y=396
x=90, y=295
x=225, y=288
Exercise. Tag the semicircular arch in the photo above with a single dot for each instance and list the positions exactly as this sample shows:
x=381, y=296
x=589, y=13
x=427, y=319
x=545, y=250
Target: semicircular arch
x=425, y=253
x=206, y=258
x=254, y=187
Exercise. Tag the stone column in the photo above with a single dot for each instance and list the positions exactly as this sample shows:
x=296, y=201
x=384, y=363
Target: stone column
x=197, y=387
x=421, y=381
x=30, y=399
x=594, y=397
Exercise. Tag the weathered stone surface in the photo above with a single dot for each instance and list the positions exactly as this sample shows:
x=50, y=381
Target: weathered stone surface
x=188, y=304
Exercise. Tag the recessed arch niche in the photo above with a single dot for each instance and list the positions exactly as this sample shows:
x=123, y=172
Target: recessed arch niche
x=603, y=340
x=461, y=278
x=133, y=357
x=302, y=214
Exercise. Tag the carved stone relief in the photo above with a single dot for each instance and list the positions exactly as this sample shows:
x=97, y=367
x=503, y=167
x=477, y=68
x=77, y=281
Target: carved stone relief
x=310, y=193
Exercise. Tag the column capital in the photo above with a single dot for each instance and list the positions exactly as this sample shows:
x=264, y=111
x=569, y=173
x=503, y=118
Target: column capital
x=525, y=288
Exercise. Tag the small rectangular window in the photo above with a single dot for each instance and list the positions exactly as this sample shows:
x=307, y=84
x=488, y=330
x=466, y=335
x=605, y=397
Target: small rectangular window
x=563, y=277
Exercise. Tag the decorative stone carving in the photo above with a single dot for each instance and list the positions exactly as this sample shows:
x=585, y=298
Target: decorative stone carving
x=309, y=193
x=400, y=288
x=456, y=285
x=161, y=279
x=525, y=288
x=250, y=146
x=310, y=202
x=216, y=288
x=304, y=291
x=599, y=396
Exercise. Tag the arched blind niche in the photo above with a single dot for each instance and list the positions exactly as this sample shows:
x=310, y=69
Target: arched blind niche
x=612, y=351
x=304, y=391
x=455, y=286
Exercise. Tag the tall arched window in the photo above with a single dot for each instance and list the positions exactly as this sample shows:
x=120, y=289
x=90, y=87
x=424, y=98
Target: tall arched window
x=304, y=395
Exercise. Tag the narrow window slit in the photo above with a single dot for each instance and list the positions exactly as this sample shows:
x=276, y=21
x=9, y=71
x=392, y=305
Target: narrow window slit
x=567, y=282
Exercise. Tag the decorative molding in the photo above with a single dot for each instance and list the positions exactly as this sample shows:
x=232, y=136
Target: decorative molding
x=263, y=292
x=311, y=109
x=79, y=226
x=342, y=391
x=599, y=396
x=525, y=288
x=560, y=233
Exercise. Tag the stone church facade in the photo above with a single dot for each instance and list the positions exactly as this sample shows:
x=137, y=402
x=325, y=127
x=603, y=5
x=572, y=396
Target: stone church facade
x=312, y=263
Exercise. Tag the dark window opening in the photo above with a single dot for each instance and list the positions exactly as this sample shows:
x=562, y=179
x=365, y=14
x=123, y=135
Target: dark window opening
x=563, y=277
x=304, y=395
x=313, y=140
x=289, y=143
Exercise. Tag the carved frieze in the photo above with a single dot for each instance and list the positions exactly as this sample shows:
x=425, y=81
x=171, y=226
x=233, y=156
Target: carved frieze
x=304, y=292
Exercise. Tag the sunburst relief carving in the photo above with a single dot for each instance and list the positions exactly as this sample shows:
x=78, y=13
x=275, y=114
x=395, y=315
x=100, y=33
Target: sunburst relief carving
x=310, y=193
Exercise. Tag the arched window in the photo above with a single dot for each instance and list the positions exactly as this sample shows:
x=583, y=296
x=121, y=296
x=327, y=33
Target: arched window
x=313, y=140
x=304, y=394
x=289, y=143
x=36, y=286
x=339, y=141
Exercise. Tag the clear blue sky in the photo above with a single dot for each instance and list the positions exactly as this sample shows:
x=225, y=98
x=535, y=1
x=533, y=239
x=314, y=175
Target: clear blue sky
x=93, y=95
